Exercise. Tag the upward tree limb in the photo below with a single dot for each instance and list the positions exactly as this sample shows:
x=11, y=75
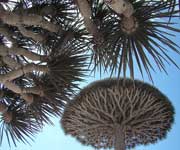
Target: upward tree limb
x=85, y=10
x=24, y=32
x=42, y=11
x=15, y=50
x=11, y=86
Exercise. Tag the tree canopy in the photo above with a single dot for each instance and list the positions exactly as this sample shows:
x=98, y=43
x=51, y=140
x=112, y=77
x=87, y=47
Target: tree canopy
x=48, y=47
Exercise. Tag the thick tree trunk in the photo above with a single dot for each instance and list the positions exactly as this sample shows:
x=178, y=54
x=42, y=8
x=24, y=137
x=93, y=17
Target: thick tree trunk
x=119, y=138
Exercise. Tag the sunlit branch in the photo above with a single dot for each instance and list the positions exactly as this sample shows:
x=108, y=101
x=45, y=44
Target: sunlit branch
x=85, y=10
x=27, y=19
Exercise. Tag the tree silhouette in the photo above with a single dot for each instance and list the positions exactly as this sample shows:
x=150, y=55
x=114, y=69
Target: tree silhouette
x=119, y=113
x=48, y=46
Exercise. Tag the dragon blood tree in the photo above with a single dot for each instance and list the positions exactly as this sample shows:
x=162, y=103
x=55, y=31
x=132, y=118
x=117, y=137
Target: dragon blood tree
x=119, y=113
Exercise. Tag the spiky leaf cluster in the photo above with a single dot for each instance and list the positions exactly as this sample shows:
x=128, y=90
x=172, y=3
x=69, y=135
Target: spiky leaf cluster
x=143, y=38
x=17, y=122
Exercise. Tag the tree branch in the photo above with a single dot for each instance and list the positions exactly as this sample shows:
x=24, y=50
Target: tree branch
x=17, y=50
x=90, y=26
x=21, y=71
x=121, y=7
x=30, y=34
x=4, y=51
x=14, y=19
x=26, y=96
x=11, y=62
x=42, y=11
x=19, y=90
x=3, y=108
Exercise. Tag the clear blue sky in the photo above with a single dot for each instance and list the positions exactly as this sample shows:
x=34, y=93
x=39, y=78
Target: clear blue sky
x=52, y=137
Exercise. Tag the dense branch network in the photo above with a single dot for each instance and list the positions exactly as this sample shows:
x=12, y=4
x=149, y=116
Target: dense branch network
x=142, y=112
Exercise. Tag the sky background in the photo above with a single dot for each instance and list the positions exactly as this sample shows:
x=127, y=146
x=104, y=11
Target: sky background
x=52, y=137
